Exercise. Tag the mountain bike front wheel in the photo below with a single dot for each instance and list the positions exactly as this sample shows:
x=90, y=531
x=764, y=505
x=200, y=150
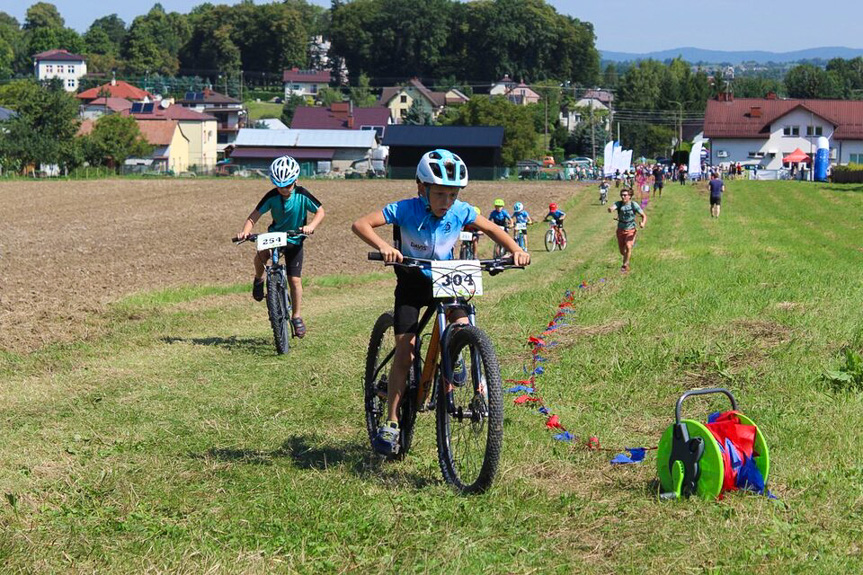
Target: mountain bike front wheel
x=379, y=360
x=466, y=252
x=279, y=309
x=470, y=414
x=520, y=240
x=550, y=243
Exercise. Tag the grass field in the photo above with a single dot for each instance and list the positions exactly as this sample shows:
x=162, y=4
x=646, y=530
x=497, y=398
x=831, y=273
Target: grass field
x=258, y=110
x=176, y=441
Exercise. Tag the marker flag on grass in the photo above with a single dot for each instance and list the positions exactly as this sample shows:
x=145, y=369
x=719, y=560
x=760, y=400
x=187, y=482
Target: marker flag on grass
x=519, y=388
x=565, y=436
x=553, y=423
x=636, y=455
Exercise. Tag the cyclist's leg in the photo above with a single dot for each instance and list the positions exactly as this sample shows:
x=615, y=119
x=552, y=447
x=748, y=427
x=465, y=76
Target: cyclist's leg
x=397, y=382
x=293, y=260
x=261, y=260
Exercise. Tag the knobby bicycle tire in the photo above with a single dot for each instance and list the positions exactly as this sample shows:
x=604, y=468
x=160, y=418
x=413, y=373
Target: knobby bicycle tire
x=562, y=245
x=381, y=343
x=279, y=309
x=466, y=252
x=470, y=440
x=550, y=244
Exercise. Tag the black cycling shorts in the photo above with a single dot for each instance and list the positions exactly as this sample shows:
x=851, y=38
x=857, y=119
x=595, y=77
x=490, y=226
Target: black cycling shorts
x=715, y=200
x=413, y=292
x=292, y=258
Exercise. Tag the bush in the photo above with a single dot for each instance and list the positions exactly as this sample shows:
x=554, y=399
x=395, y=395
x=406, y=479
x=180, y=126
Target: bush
x=850, y=174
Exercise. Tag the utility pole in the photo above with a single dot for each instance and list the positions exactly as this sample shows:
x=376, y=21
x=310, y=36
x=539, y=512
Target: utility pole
x=546, y=120
x=592, y=136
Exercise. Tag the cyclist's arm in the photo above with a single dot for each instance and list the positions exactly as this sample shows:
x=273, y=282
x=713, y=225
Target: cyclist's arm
x=501, y=237
x=643, y=215
x=365, y=229
x=316, y=221
x=612, y=207
x=250, y=223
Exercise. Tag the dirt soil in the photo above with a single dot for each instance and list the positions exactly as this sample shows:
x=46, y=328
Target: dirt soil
x=70, y=248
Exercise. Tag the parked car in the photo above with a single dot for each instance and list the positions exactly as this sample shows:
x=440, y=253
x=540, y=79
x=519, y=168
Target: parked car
x=548, y=162
x=580, y=161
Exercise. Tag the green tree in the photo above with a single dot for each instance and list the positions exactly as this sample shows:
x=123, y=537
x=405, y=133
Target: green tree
x=519, y=135
x=361, y=94
x=416, y=115
x=327, y=96
x=44, y=130
x=43, y=15
x=293, y=102
x=113, y=139
x=42, y=39
x=105, y=35
x=808, y=81
x=154, y=40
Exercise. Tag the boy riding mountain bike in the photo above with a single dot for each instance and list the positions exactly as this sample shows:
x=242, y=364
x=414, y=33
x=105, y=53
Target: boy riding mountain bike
x=521, y=216
x=555, y=215
x=429, y=227
x=290, y=205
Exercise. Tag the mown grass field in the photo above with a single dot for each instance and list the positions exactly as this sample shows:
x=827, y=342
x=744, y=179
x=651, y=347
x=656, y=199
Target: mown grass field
x=180, y=443
x=258, y=110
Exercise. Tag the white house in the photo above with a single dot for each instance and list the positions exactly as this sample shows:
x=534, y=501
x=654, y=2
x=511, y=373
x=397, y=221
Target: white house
x=305, y=82
x=767, y=129
x=60, y=64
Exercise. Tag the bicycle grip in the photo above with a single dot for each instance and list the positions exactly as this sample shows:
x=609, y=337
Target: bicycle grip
x=235, y=239
x=376, y=256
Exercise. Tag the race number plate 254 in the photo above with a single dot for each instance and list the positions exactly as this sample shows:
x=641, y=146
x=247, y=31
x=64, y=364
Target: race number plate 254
x=465, y=236
x=271, y=240
x=453, y=278
x=521, y=226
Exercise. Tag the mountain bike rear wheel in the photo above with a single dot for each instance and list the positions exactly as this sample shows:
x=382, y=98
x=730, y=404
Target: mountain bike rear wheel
x=562, y=241
x=378, y=363
x=550, y=244
x=470, y=422
x=279, y=309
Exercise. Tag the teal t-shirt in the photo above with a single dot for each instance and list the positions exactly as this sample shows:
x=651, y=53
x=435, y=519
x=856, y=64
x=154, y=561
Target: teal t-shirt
x=288, y=213
x=626, y=214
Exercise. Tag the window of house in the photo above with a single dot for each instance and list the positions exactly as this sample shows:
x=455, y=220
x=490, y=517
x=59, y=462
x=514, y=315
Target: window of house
x=59, y=68
x=791, y=131
x=70, y=83
x=814, y=130
x=297, y=87
x=856, y=158
x=314, y=88
x=49, y=68
x=71, y=69
x=403, y=99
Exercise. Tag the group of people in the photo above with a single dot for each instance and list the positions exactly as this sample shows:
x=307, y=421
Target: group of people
x=429, y=226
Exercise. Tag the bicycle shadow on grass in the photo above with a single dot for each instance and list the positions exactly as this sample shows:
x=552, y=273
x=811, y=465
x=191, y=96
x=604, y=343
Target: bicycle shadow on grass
x=233, y=343
x=309, y=452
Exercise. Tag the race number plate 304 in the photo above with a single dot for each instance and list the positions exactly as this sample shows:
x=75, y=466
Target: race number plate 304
x=271, y=240
x=451, y=278
x=465, y=236
x=521, y=226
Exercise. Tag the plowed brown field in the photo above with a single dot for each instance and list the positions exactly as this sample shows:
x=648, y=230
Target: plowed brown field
x=70, y=248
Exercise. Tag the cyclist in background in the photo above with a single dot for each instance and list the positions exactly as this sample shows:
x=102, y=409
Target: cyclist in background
x=521, y=216
x=290, y=205
x=429, y=225
x=555, y=215
x=499, y=216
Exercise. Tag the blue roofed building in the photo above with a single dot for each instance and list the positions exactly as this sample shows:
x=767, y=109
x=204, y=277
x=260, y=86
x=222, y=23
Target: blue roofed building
x=479, y=146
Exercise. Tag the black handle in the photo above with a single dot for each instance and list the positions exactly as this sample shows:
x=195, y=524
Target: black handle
x=702, y=392
x=376, y=256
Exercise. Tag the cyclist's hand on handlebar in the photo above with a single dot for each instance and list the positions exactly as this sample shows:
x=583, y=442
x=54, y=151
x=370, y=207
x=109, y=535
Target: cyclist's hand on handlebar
x=242, y=235
x=391, y=255
x=521, y=258
x=308, y=230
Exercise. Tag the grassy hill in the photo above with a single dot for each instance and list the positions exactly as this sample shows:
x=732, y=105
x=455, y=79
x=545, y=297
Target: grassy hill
x=179, y=442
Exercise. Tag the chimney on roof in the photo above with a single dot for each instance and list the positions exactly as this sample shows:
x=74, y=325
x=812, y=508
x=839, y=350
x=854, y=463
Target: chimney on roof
x=755, y=112
x=339, y=109
x=770, y=95
x=207, y=91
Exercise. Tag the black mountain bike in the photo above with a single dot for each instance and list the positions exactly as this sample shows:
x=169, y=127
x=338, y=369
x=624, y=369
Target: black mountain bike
x=279, y=304
x=459, y=377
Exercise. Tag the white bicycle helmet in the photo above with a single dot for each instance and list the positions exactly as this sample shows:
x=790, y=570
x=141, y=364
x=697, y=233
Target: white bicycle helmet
x=284, y=171
x=443, y=168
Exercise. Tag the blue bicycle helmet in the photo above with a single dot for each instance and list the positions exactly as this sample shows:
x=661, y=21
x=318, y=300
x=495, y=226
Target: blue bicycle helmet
x=443, y=168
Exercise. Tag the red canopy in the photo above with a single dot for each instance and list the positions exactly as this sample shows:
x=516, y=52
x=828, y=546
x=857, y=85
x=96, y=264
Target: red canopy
x=797, y=155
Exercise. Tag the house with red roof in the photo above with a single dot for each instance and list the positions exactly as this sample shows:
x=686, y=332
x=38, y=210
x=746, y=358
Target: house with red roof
x=200, y=130
x=305, y=83
x=170, y=145
x=60, y=64
x=116, y=89
x=342, y=116
x=102, y=106
x=399, y=99
x=516, y=92
x=229, y=112
x=765, y=130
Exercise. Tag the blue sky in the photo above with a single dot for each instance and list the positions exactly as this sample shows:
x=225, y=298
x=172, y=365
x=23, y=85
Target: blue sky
x=621, y=25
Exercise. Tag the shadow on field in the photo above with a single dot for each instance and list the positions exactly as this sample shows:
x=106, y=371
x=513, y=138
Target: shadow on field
x=233, y=343
x=844, y=188
x=307, y=452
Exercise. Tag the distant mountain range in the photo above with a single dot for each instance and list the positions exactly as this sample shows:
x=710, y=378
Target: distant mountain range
x=697, y=55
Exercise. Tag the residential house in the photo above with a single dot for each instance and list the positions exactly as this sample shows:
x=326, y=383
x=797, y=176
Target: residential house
x=342, y=116
x=116, y=89
x=517, y=93
x=479, y=147
x=317, y=151
x=199, y=129
x=62, y=64
x=171, y=147
x=102, y=106
x=305, y=83
x=399, y=99
x=767, y=129
x=229, y=112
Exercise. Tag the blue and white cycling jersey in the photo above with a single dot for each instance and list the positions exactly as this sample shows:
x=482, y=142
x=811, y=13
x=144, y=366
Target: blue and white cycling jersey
x=499, y=217
x=521, y=217
x=422, y=234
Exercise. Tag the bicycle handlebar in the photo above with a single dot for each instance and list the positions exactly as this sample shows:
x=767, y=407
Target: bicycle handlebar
x=253, y=237
x=492, y=265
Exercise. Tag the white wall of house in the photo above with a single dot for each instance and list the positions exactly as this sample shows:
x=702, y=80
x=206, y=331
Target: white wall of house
x=309, y=89
x=68, y=71
x=851, y=152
